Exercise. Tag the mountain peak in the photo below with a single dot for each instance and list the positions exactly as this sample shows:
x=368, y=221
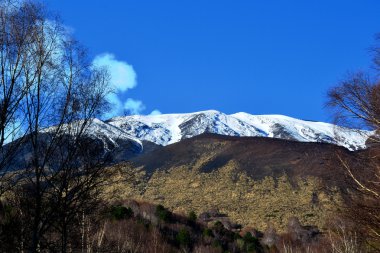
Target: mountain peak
x=166, y=129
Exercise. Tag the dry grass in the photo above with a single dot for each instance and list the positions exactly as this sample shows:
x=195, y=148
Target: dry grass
x=244, y=200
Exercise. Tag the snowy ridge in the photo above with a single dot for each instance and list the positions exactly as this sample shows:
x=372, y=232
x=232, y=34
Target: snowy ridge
x=109, y=133
x=100, y=130
x=170, y=128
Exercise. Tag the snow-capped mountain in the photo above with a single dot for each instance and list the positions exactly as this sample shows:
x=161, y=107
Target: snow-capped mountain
x=166, y=129
x=107, y=135
x=111, y=136
x=104, y=141
x=121, y=138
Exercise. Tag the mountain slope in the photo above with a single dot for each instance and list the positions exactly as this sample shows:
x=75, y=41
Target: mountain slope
x=254, y=180
x=104, y=141
x=171, y=128
x=259, y=157
x=110, y=138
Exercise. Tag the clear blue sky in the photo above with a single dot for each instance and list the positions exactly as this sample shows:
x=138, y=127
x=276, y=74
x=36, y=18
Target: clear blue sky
x=261, y=57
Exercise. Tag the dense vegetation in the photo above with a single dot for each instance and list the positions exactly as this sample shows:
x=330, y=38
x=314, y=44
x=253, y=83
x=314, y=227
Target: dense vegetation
x=133, y=226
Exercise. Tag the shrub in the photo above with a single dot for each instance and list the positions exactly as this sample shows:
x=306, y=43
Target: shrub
x=183, y=237
x=208, y=232
x=251, y=243
x=217, y=244
x=192, y=216
x=162, y=213
x=240, y=243
x=121, y=212
x=218, y=226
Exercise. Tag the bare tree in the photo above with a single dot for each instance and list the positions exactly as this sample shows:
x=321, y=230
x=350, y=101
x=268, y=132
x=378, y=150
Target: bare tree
x=50, y=93
x=18, y=23
x=356, y=103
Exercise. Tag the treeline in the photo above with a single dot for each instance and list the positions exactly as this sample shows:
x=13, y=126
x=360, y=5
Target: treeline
x=135, y=226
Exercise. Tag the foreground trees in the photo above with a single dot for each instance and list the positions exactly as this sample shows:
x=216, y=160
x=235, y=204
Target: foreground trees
x=50, y=176
x=356, y=103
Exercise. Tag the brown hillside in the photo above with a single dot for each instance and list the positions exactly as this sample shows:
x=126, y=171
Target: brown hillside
x=258, y=157
x=252, y=180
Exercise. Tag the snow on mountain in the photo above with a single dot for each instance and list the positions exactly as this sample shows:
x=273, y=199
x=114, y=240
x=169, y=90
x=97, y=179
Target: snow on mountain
x=111, y=135
x=166, y=129
x=283, y=127
x=107, y=141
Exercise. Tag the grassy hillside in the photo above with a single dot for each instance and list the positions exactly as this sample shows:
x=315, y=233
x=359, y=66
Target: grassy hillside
x=254, y=181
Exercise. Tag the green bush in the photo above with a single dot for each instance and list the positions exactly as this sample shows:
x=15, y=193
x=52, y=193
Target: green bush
x=251, y=243
x=162, y=213
x=121, y=212
x=207, y=233
x=217, y=244
x=183, y=237
x=240, y=243
x=192, y=216
x=218, y=227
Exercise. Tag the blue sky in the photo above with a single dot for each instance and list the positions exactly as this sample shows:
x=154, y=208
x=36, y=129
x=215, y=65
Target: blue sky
x=261, y=57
